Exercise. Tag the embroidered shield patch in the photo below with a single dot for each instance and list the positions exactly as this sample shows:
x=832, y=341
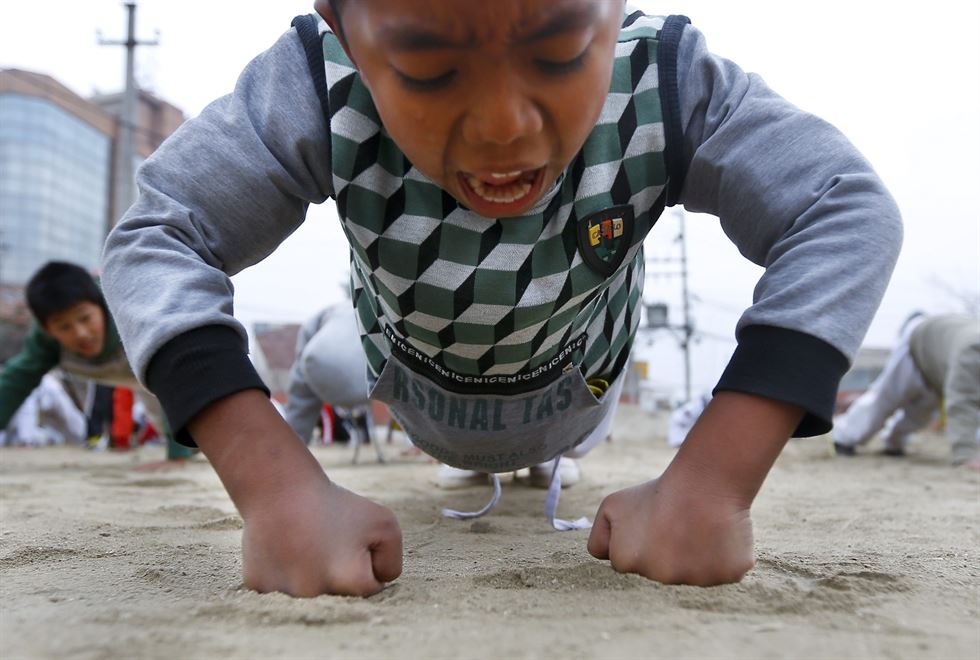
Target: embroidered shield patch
x=605, y=237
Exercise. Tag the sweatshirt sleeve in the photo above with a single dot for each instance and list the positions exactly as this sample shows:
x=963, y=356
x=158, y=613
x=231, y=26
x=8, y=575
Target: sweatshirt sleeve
x=23, y=372
x=796, y=198
x=218, y=196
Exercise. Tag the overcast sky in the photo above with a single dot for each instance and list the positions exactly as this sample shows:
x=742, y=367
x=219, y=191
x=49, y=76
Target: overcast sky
x=901, y=79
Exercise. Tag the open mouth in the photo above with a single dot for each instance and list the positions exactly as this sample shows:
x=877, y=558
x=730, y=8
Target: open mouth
x=497, y=193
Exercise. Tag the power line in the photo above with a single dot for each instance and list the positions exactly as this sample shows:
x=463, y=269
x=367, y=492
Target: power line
x=717, y=304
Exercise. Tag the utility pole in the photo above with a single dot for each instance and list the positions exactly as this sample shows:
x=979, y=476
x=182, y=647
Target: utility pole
x=688, y=328
x=658, y=312
x=124, y=172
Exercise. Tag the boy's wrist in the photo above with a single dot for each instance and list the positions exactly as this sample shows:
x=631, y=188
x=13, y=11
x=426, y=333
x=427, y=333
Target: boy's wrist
x=789, y=366
x=196, y=369
x=729, y=452
x=255, y=453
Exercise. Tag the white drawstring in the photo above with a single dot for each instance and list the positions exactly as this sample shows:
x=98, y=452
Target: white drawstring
x=465, y=515
x=551, y=505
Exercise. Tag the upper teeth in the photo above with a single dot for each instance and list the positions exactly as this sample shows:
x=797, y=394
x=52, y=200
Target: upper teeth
x=504, y=175
x=502, y=193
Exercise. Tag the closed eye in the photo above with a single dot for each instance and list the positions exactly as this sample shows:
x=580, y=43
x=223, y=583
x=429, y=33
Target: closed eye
x=558, y=68
x=426, y=84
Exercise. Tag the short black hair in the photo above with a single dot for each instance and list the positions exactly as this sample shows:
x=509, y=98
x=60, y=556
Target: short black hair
x=59, y=285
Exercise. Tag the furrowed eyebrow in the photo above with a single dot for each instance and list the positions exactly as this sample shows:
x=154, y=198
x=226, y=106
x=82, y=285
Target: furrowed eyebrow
x=409, y=38
x=419, y=38
x=568, y=21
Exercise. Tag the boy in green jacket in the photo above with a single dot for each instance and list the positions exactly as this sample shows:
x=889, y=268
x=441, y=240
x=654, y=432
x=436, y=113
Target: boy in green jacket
x=72, y=329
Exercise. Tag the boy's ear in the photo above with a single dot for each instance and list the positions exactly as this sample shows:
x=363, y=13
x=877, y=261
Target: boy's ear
x=326, y=12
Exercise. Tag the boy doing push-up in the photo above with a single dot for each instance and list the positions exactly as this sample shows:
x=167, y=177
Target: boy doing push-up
x=496, y=167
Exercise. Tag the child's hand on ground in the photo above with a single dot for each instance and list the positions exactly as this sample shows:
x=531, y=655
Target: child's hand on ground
x=692, y=525
x=304, y=535
x=322, y=539
x=670, y=534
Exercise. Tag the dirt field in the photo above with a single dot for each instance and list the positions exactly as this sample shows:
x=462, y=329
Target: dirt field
x=859, y=558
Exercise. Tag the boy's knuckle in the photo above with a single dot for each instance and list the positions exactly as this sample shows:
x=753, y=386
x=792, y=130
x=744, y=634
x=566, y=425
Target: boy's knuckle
x=359, y=585
x=388, y=527
x=624, y=562
x=350, y=579
x=671, y=576
x=741, y=570
x=388, y=572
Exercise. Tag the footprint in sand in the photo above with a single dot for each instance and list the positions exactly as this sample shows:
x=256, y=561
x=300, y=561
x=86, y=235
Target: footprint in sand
x=586, y=576
x=777, y=587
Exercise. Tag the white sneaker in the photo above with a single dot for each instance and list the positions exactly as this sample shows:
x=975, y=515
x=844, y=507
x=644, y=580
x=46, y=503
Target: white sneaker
x=451, y=478
x=540, y=475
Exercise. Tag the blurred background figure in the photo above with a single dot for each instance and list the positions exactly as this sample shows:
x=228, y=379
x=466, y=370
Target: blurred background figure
x=72, y=330
x=47, y=417
x=935, y=365
x=682, y=419
x=123, y=424
x=330, y=368
x=98, y=411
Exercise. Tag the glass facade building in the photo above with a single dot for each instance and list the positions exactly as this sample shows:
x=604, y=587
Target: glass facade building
x=57, y=178
x=55, y=173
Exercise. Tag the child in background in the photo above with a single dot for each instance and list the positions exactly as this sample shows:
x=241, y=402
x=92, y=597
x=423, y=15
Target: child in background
x=330, y=369
x=72, y=329
x=496, y=167
x=936, y=364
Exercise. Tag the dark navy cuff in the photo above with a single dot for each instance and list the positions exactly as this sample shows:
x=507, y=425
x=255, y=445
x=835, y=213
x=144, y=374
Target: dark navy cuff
x=195, y=369
x=788, y=366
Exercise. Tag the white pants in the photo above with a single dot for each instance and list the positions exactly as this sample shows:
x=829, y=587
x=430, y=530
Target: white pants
x=898, y=401
x=682, y=420
x=46, y=417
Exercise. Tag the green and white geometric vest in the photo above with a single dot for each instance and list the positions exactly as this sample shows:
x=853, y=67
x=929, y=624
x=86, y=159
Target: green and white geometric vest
x=480, y=304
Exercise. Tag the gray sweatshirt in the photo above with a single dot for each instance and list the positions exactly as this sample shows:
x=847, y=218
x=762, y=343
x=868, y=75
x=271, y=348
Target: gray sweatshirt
x=791, y=192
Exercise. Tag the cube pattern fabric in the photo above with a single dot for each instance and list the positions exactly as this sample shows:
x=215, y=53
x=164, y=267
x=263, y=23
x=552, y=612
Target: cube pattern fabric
x=498, y=296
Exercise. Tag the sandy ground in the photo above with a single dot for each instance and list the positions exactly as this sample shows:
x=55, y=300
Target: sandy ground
x=863, y=558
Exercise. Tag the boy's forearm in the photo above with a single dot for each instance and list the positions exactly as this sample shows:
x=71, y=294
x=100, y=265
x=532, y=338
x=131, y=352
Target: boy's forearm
x=734, y=444
x=253, y=450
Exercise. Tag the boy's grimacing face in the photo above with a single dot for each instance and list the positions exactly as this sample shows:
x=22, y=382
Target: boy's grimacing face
x=79, y=329
x=491, y=99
